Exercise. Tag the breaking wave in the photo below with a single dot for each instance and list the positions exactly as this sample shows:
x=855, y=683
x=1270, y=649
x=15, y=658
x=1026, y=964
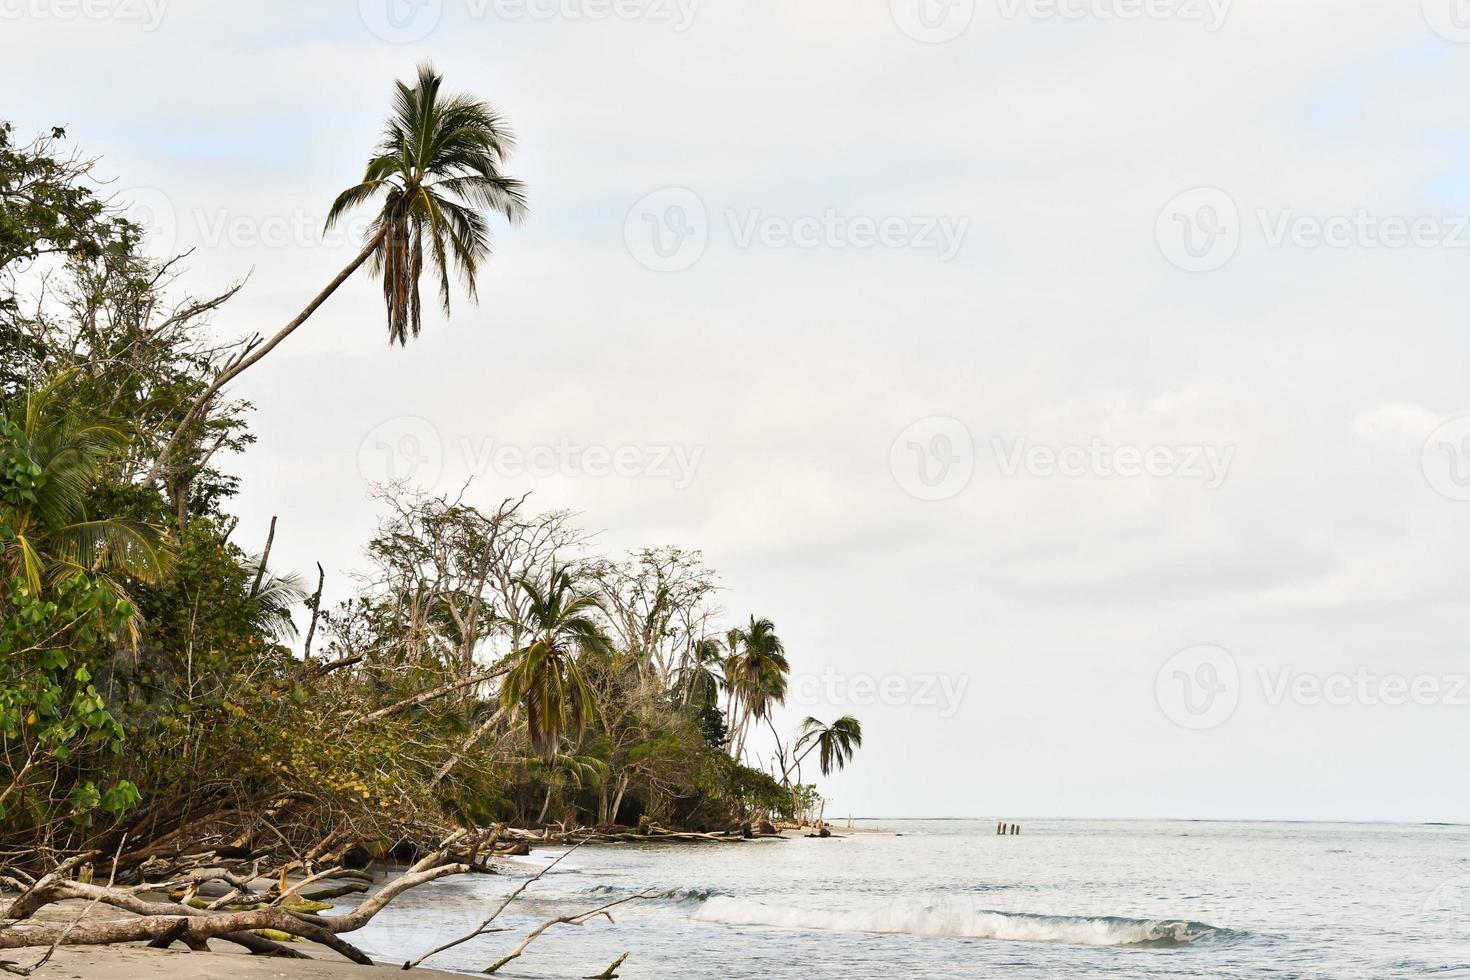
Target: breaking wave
x=963, y=923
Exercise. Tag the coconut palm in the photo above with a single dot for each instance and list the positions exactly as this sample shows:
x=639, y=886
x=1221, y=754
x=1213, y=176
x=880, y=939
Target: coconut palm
x=699, y=679
x=756, y=676
x=565, y=771
x=545, y=678
x=51, y=460
x=438, y=172
x=275, y=597
x=834, y=743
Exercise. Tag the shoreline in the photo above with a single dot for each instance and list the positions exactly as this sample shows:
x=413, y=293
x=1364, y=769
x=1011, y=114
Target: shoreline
x=222, y=961
x=125, y=962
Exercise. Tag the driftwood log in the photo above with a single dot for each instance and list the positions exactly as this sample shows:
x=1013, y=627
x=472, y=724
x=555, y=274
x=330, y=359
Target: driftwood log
x=162, y=922
x=609, y=835
x=576, y=919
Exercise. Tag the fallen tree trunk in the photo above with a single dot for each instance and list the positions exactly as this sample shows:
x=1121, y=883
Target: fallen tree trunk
x=165, y=922
x=429, y=695
x=580, y=835
x=195, y=928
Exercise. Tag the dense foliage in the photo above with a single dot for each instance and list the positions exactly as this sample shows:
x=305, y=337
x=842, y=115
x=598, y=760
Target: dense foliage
x=155, y=684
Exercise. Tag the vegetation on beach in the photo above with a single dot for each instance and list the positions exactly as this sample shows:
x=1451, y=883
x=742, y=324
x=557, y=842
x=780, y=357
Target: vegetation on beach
x=489, y=670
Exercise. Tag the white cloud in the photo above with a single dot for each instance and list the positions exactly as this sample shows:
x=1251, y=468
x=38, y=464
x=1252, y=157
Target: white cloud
x=1059, y=321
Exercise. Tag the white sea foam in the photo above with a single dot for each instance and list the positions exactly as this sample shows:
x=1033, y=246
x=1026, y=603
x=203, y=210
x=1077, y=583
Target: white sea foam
x=957, y=921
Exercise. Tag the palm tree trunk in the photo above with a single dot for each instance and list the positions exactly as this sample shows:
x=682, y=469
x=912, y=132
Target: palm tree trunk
x=235, y=370
x=617, y=803
x=796, y=764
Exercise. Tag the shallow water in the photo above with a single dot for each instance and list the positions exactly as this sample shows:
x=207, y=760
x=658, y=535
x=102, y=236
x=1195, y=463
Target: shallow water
x=949, y=898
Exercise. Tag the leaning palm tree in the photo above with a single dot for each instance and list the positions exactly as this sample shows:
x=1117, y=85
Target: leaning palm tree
x=438, y=172
x=835, y=744
x=545, y=678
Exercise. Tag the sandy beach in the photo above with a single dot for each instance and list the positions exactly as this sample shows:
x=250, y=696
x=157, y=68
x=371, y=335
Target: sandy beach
x=128, y=962
x=224, y=961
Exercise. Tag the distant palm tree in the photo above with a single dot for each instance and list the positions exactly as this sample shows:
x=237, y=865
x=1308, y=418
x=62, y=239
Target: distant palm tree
x=756, y=676
x=835, y=744
x=699, y=680
x=52, y=459
x=438, y=171
x=545, y=678
x=565, y=771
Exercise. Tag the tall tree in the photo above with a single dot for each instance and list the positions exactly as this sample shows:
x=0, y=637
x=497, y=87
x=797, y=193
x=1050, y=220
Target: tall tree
x=545, y=678
x=438, y=171
x=756, y=677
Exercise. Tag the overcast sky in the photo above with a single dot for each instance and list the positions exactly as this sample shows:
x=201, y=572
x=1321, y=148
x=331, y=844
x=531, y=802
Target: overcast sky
x=1080, y=385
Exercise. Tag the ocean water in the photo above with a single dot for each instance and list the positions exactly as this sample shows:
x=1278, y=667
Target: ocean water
x=949, y=898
